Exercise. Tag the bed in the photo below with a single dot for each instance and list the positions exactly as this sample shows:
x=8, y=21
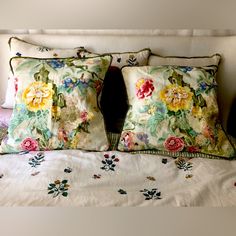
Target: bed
x=113, y=176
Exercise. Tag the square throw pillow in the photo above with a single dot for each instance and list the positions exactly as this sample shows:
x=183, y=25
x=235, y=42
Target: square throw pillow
x=20, y=47
x=157, y=60
x=56, y=105
x=173, y=110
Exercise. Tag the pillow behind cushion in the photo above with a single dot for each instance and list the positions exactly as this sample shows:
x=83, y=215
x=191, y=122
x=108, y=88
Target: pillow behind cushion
x=19, y=47
x=138, y=58
x=173, y=110
x=157, y=60
x=56, y=105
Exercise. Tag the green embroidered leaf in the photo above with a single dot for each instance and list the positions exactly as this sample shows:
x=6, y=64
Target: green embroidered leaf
x=176, y=79
x=182, y=123
x=42, y=75
x=64, y=181
x=175, y=114
x=153, y=122
x=61, y=102
x=83, y=127
x=65, y=194
x=192, y=132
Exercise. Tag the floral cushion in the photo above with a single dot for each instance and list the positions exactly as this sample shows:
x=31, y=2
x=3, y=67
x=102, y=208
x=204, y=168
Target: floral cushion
x=19, y=47
x=173, y=110
x=56, y=104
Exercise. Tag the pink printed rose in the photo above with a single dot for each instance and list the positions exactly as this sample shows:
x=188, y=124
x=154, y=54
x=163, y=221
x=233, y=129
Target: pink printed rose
x=29, y=144
x=144, y=88
x=174, y=144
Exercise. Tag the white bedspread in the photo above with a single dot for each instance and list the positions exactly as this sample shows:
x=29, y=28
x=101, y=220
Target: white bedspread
x=77, y=178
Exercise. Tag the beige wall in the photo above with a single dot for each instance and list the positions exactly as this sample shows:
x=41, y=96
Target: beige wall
x=136, y=14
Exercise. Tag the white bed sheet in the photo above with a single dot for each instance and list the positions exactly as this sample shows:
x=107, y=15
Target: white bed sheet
x=135, y=180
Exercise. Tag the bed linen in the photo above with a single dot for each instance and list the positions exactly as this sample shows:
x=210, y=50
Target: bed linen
x=80, y=178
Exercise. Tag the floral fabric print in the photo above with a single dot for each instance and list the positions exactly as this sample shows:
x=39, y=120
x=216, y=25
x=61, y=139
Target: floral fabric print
x=173, y=110
x=52, y=113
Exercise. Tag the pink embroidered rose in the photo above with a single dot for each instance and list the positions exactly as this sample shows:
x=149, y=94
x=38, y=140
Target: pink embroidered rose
x=144, y=88
x=192, y=149
x=174, y=144
x=16, y=85
x=84, y=115
x=29, y=144
x=127, y=140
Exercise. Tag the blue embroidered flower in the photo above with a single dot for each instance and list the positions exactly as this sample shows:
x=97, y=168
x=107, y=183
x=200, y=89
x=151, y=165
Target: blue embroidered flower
x=203, y=86
x=69, y=83
x=143, y=137
x=185, y=69
x=56, y=63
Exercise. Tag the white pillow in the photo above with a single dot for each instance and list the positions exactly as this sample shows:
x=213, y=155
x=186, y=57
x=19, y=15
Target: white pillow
x=157, y=60
x=19, y=47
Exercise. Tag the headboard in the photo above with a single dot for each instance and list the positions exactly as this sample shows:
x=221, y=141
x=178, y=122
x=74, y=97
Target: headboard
x=165, y=42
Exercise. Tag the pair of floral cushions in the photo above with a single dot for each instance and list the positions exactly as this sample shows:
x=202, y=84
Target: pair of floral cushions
x=172, y=105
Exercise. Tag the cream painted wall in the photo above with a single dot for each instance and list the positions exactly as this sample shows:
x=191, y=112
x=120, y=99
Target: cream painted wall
x=104, y=14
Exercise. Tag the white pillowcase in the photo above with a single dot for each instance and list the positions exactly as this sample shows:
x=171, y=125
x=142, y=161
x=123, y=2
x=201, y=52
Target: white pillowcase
x=157, y=60
x=20, y=47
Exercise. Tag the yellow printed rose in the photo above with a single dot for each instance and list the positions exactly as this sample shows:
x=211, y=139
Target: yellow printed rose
x=176, y=97
x=37, y=96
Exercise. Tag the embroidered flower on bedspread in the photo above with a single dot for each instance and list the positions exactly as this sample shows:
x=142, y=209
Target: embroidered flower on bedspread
x=59, y=187
x=36, y=160
x=152, y=194
x=109, y=162
x=182, y=164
